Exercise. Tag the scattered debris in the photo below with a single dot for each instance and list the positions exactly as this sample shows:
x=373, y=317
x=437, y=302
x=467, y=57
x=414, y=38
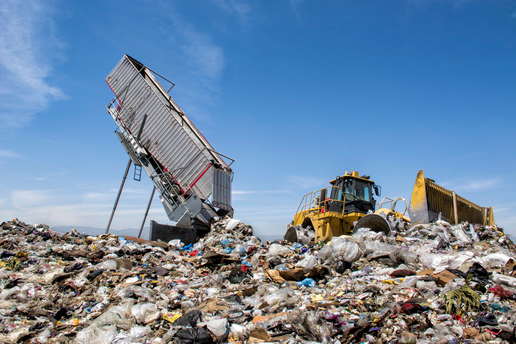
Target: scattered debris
x=434, y=283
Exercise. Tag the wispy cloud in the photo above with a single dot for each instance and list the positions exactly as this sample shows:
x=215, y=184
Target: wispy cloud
x=241, y=9
x=473, y=185
x=425, y=3
x=205, y=58
x=8, y=154
x=29, y=198
x=307, y=182
x=254, y=192
x=294, y=4
x=202, y=62
x=27, y=45
x=62, y=208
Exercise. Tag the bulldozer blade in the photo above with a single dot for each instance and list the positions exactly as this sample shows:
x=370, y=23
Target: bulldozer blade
x=431, y=201
x=418, y=209
x=375, y=222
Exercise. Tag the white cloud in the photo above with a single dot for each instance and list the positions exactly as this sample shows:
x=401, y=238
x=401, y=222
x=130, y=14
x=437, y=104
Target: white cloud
x=8, y=154
x=425, y=3
x=206, y=58
x=59, y=208
x=305, y=182
x=476, y=185
x=254, y=192
x=27, y=44
x=240, y=8
x=295, y=8
x=22, y=199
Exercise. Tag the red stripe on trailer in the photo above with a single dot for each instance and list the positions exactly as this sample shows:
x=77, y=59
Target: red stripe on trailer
x=200, y=176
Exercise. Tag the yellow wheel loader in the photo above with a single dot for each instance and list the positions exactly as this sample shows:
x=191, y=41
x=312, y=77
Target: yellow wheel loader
x=348, y=205
x=337, y=209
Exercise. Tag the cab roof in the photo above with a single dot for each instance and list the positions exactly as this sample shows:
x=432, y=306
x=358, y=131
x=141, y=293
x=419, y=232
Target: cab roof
x=354, y=175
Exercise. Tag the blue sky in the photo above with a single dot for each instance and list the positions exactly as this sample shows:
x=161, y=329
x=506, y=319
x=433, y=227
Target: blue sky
x=297, y=92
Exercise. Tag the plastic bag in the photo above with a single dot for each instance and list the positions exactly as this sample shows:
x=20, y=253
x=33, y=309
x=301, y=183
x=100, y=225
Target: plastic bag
x=218, y=326
x=239, y=331
x=277, y=250
x=325, y=253
x=232, y=224
x=277, y=296
x=176, y=243
x=145, y=312
x=96, y=335
x=496, y=260
x=348, y=251
x=194, y=336
x=107, y=265
x=503, y=279
x=307, y=282
x=307, y=263
x=462, y=237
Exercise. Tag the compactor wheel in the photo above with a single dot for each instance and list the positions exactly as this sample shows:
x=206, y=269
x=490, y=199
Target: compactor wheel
x=375, y=222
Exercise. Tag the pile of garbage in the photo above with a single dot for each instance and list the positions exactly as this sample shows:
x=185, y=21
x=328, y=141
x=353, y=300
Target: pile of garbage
x=434, y=283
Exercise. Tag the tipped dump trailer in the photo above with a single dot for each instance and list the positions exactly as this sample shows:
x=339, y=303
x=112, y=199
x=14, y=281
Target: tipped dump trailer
x=193, y=180
x=429, y=201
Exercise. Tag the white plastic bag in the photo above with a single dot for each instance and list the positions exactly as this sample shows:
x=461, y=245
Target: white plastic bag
x=145, y=312
x=307, y=263
x=218, y=326
x=277, y=250
x=232, y=224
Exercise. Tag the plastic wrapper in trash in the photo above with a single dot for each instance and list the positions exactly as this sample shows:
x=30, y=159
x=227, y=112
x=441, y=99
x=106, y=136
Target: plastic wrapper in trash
x=346, y=250
x=145, y=312
x=496, y=260
x=217, y=326
x=192, y=335
x=278, y=295
x=365, y=271
x=441, y=262
x=97, y=335
x=366, y=234
x=107, y=265
x=504, y=279
x=325, y=253
x=240, y=250
x=278, y=250
x=232, y=224
x=379, y=248
x=133, y=335
x=461, y=236
x=239, y=331
x=307, y=263
x=307, y=282
x=176, y=243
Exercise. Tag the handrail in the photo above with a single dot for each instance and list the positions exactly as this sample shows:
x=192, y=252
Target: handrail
x=311, y=201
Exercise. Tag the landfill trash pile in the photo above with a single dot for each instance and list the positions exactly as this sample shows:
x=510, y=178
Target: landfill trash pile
x=434, y=283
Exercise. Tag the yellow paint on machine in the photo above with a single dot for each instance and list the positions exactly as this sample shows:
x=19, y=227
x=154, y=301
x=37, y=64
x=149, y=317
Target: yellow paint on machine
x=430, y=199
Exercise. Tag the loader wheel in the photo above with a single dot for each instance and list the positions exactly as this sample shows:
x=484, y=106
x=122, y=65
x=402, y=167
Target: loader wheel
x=375, y=222
x=291, y=234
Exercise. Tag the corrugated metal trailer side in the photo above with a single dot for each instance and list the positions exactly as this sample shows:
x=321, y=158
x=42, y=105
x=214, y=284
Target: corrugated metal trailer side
x=168, y=134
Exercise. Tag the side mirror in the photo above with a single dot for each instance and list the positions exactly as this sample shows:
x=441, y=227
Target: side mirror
x=377, y=190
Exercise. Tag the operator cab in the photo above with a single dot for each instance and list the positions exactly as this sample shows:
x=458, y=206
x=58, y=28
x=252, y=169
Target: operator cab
x=357, y=192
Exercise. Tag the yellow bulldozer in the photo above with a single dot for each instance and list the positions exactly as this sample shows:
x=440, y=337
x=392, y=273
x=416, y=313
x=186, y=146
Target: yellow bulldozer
x=349, y=204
